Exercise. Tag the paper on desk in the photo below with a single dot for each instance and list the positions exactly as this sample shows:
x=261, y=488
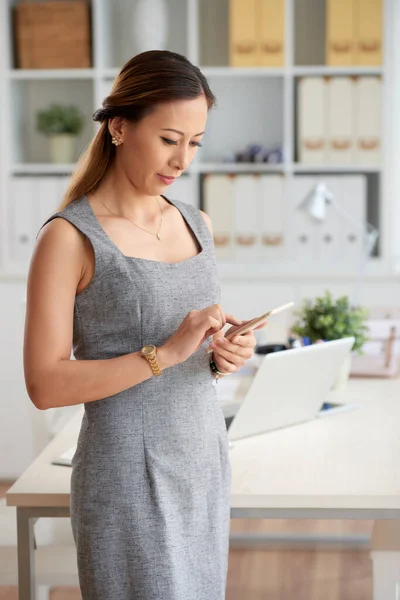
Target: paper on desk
x=65, y=458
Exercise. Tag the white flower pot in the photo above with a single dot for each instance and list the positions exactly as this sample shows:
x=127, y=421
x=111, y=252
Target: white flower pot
x=150, y=25
x=62, y=148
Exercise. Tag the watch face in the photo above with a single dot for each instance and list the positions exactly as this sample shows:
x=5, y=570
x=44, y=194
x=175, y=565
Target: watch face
x=146, y=350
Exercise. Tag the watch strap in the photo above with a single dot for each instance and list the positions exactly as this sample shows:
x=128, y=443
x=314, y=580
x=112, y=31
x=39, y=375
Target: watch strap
x=152, y=360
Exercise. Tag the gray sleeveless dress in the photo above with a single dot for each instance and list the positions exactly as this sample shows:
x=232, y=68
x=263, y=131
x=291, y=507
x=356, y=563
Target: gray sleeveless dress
x=150, y=486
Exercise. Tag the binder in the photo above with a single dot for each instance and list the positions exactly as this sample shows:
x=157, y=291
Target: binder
x=368, y=32
x=312, y=108
x=340, y=121
x=329, y=232
x=243, y=50
x=270, y=26
x=351, y=193
x=219, y=205
x=22, y=217
x=246, y=195
x=340, y=43
x=303, y=243
x=272, y=217
x=368, y=111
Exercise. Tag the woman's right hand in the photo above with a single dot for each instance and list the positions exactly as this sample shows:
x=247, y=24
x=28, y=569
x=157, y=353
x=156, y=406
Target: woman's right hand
x=195, y=328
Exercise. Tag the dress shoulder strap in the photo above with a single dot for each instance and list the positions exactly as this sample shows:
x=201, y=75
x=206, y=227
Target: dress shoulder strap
x=196, y=222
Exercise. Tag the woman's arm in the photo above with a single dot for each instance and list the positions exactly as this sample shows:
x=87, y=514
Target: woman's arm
x=52, y=378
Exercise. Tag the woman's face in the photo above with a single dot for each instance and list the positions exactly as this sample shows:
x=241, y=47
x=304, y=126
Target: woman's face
x=159, y=148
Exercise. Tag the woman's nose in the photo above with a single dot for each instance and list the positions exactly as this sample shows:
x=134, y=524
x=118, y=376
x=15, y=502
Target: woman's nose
x=181, y=159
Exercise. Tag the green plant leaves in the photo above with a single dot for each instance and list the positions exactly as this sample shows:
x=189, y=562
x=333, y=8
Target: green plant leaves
x=328, y=319
x=60, y=119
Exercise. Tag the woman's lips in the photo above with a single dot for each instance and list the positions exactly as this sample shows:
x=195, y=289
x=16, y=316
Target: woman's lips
x=166, y=180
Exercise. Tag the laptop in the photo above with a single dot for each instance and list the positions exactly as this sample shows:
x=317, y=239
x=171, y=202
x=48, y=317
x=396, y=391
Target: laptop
x=290, y=387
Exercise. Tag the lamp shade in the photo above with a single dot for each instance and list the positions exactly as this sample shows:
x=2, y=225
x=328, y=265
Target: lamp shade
x=315, y=202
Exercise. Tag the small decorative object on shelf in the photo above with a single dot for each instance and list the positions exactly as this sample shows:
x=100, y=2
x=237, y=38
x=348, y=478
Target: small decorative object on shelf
x=327, y=319
x=255, y=153
x=53, y=35
x=61, y=124
x=150, y=25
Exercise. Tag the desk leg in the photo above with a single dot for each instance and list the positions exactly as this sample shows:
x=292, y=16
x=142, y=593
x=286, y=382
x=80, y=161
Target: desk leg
x=385, y=556
x=26, y=555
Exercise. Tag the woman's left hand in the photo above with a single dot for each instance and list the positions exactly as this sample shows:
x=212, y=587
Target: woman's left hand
x=230, y=356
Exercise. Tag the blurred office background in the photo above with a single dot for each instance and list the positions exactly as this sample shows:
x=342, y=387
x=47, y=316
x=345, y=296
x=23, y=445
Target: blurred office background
x=308, y=98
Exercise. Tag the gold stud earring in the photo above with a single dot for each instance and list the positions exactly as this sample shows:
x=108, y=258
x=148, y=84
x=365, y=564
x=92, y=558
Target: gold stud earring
x=116, y=140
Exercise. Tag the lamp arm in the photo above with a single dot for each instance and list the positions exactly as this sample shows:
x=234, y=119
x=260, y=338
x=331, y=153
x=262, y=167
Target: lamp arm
x=349, y=217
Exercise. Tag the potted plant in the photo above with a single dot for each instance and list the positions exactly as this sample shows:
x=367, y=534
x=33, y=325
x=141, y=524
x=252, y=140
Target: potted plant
x=327, y=319
x=61, y=124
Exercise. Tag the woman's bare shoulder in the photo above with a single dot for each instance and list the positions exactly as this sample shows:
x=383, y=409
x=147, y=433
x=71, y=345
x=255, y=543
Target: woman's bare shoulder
x=59, y=241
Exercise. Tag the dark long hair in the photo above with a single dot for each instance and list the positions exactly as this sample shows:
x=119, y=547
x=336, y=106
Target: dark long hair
x=146, y=80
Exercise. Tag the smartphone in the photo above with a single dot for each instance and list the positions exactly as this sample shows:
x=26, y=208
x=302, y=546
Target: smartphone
x=258, y=320
x=255, y=322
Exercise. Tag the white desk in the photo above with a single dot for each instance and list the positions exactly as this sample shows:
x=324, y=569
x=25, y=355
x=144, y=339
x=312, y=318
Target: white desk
x=346, y=466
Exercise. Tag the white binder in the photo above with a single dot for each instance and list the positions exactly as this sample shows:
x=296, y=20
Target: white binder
x=351, y=193
x=312, y=108
x=329, y=237
x=219, y=205
x=272, y=217
x=246, y=193
x=368, y=118
x=303, y=241
x=22, y=219
x=340, y=121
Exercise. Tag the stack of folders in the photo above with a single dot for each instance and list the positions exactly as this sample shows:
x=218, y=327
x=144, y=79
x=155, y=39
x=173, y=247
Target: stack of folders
x=248, y=217
x=339, y=120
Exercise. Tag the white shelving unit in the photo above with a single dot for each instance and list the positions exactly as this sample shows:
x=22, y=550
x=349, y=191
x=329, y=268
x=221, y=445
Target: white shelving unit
x=254, y=105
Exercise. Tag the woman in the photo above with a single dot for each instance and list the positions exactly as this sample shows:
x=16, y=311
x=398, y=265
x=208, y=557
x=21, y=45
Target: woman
x=122, y=267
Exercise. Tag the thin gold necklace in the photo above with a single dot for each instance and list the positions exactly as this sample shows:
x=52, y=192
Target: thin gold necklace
x=136, y=225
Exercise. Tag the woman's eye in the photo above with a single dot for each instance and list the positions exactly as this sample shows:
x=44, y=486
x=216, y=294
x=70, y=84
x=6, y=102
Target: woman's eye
x=174, y=143
x=170, y=142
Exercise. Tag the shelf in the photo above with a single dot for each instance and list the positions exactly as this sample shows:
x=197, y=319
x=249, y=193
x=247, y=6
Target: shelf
x=208, y=167
x=238, y=167
x=34, y=74
x=110, y=73
x=376, y=270
x=242, y=71
x=323, y=70
x=42, y=169
x=309, y=168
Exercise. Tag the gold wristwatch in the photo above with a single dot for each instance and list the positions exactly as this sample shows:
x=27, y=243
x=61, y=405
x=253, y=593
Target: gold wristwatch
x=150, y=354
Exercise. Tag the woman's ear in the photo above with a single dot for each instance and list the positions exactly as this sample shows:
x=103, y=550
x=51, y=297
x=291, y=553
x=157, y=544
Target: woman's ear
x=115, y=127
